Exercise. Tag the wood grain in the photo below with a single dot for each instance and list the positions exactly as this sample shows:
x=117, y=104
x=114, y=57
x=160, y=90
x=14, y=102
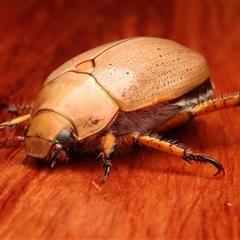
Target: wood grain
x=149, y=194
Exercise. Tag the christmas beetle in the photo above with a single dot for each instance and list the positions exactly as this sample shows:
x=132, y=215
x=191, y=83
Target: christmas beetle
x=120, y=94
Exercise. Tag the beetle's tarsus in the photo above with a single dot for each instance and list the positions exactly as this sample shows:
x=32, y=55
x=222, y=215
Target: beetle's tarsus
x=3, y=126
x=108, y=166
x=12, y=126
x=14, y=122
x=220, y=170
x=204, y=159
x=53, y=163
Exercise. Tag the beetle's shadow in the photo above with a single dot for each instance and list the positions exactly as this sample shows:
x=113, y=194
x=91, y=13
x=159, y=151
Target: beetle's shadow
x=76, y=162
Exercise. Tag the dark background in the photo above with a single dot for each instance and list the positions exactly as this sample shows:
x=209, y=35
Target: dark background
x=149, y=194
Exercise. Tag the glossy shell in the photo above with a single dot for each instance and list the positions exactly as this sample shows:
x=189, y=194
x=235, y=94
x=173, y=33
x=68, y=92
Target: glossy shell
x=126, y=75
x=143, y=71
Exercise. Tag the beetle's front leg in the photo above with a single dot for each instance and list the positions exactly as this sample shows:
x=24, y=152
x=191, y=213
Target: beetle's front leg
x=108, y=166
x=109, y=142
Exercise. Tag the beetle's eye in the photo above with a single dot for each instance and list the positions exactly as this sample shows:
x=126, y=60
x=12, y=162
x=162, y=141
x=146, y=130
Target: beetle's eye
x=65, y=138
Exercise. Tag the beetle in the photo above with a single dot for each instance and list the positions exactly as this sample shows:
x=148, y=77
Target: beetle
x=117, y=95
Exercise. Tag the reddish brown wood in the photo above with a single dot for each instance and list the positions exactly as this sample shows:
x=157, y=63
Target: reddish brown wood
x=149, y=194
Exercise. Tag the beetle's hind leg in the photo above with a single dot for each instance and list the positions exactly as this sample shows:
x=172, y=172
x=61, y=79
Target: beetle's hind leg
x=208, y=106
x=178, y=151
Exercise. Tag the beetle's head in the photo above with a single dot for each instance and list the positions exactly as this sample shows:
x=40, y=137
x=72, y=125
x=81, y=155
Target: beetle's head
x=50, y=136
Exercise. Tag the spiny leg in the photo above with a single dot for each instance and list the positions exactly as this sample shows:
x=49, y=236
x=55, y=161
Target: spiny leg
x=12, y=123
x=209, y=106
x=178, y=151
x=107, y=148
x=216, y=104
x=108, y=166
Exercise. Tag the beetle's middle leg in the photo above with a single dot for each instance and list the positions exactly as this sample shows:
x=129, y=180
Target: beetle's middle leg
x=109, y=142
x=152, y=141
x=205, y=107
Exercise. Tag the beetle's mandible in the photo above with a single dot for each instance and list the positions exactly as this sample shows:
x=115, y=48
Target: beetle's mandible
x=120, y=94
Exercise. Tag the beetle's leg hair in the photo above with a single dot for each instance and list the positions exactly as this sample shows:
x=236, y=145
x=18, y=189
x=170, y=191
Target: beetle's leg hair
x=12, y=123
x=211, y=105
x=178, y=151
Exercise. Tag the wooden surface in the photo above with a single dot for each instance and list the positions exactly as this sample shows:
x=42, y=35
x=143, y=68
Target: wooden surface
x=149, y=194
